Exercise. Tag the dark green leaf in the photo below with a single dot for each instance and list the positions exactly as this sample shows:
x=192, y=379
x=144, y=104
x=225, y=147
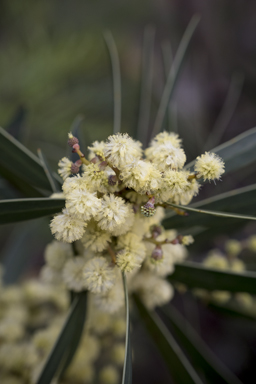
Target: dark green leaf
x=174, y=72
x=48, y=172
x=195, y=275
x=15, y=210
x=116, y=80
x=77, y=333
x=179, y=367
x=234, y=310
x=236, y=153
x=17, y=161
x=127, y=369
x=242, y=201
x=199, y=353
x=62, y=348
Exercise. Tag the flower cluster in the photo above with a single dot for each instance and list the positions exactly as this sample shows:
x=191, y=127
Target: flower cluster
x=31, y=317
x=115, y=202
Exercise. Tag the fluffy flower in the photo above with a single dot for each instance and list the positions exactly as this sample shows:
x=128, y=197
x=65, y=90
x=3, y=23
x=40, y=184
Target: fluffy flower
x=233, y=247
x=121, y=150
x=94, y=177
x=95, y=239
x=73, y=275
x=109, y=375
x=133, y=244
x=64, y=168
x=83, y=205
x=111, y=301
x=174, y=182
x=153, y=290
x=113, y=212
x=97, y=149
x=56, y=254
x=209, y=166
x=76, y=183
x=127, y=261
x=123, y=228
x=67, y=228
x=99, y=276
x=215, y=259
x=166, y=137
x=141, y=176
x=166, y=156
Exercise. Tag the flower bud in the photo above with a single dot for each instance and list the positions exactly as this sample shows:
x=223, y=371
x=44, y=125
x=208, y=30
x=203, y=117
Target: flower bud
x=74, y=168
x=112, y=179
x=157, y=254
x=72, y=140
x=149, y=208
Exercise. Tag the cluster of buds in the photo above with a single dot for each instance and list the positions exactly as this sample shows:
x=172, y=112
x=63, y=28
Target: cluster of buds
x=114, y=208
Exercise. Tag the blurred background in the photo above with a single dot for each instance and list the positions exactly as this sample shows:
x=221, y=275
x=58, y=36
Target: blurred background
x=54, y=66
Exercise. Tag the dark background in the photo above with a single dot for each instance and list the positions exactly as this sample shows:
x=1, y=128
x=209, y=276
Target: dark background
x=54, y=66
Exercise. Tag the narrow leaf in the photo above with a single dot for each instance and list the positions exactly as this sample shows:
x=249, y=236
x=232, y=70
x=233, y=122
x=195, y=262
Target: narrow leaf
x=116, y=80
x=127, y=369
x=15, y=210
x=195, y=275
x=198, y=351
x=179, y=367
x=18, y=161
x=146, y=84
x=213, y=213
x=227, y=110
x=77, y=334
x=48, y=172
x=242, y=201
x=173, y=74
x=61, y=347
x=237, y=152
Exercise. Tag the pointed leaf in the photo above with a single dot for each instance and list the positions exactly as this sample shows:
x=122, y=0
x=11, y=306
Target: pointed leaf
x=198, y=351
x=116, y=80
x=61, y=349
x=179, y=367
x=48, y=172
x=15, y=210
x=242, y=201
x=236, y=153
x=17, y=160
x=127, y=369
x=173, y=74
x=195, y=275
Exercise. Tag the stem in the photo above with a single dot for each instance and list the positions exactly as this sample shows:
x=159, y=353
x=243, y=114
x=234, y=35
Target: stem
x=112, y=254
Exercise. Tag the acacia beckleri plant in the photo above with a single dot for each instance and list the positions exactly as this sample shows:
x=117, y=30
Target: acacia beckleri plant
x=32, y=176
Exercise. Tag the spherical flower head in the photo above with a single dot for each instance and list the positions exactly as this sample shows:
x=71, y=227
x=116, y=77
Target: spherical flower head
x=121, y=150
x=64, y=168
x=56, y=254
x=153, y=290
x=94, y=177
x=127, y=261
x=67, y=228
x=251, y=243
x=97, y=149
x=111, y=301
x=187, y=240
x=166, y=156
x=237, y=265
x=141, y=176
x=216, y=259
x=95, y=239
x=109, y=375
x=133, y=244
x=123, y=228
x=112, y=213
x=72, y=274
x=233, y=247
x=209, y=166
x=118, y=353
x=99, y=275
x=166, y=137
x=83, y=205
x=175, y=182
x=76, y=183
